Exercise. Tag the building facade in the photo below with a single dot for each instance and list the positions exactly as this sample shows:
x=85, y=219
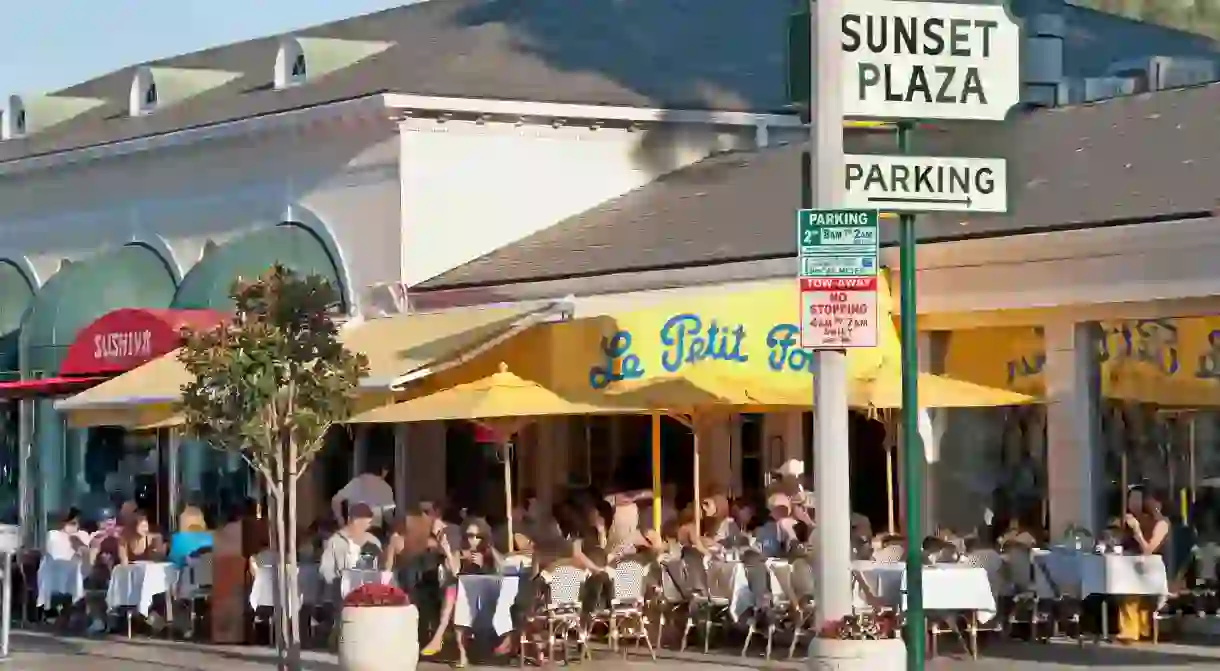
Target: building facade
x=482, y=171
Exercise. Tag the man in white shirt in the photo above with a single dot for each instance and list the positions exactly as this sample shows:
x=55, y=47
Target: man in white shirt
x=369, y=488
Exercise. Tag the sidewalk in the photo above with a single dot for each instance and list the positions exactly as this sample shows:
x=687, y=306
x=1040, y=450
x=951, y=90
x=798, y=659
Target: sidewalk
x=44, y=652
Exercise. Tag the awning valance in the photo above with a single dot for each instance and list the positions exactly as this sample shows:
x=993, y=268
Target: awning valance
x=47, y=386
x=124, y=339
x=399, y=349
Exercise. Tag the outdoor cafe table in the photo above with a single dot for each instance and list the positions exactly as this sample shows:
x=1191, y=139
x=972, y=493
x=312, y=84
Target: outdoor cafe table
x=1083, y=574
x=60, y=576
x=946, y=587
x=134, y=586
x=484, y=602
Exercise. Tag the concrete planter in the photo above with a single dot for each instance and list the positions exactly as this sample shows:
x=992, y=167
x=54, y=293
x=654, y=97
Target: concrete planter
x=836, y=655
x=379, y=639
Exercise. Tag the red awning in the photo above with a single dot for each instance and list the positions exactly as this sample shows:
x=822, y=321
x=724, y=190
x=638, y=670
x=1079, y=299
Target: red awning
x=124, y=339
x=48, y=386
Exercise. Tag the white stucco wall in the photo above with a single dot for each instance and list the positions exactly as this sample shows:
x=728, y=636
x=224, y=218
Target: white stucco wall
x=345, y=175
x=469, y=188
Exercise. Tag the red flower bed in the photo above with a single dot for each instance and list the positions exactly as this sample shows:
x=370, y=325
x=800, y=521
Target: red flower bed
x=375, y=595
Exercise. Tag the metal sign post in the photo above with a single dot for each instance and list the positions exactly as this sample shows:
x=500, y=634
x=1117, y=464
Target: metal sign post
x=901, y=61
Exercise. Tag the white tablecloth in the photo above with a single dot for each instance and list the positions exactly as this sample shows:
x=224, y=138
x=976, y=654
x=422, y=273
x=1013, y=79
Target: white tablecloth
x=484, y=602
x=309, y=586
x=1132, y=575
x=945, y=586
x=60, y=576
x=135, y=585
x=1081, y=574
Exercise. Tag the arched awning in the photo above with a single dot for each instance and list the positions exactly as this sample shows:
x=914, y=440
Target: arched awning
x=128, y=277
x=208, y=285
x=112, y=344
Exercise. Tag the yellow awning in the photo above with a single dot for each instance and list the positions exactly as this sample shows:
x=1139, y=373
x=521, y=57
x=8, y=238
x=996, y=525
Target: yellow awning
x=686, y=396
x=500, y=396
x=399, y=348
x=935, y=391
x=748, y=337
x=1171, y=363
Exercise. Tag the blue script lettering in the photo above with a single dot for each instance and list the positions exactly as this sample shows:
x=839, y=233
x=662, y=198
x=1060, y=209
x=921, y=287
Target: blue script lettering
x=786, y=353
x=1209, y=362
x=687, y=342
x=1026, y=367
x=619, y=364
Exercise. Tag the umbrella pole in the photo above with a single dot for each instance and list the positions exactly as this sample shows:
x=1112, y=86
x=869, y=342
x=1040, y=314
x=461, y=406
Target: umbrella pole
x=656, y=471
x=508, y=491
x=1194, y=486
x=694, y=432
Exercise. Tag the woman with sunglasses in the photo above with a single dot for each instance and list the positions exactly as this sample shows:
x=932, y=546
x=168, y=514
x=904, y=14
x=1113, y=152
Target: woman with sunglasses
x=476, y=556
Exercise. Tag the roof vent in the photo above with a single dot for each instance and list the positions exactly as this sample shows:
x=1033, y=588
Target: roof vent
x=155, y=87
x=1167, y=72
x=25, y=115
x=302, y=59
x=1103, y=88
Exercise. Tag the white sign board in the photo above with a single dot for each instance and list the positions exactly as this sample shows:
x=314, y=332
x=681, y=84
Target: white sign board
x=926, y=183
x=838, y=312
x=928, y=60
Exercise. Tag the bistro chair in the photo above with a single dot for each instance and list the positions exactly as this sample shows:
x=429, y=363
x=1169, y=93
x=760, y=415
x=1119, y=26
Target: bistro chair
x=558, y=617
x=628, y=615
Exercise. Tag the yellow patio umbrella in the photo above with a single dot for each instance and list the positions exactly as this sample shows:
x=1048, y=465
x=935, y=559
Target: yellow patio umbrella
x=685, y=399
x=884, y=393
x=503, y=403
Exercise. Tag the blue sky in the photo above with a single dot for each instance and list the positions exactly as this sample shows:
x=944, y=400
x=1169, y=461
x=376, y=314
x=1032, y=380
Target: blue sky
x=51, y=44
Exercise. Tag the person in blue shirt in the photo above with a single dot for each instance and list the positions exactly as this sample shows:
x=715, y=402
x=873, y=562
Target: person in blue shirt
x=191, y=537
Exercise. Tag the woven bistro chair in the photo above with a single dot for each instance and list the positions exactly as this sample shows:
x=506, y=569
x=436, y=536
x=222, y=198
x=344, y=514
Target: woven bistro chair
x=556, y=621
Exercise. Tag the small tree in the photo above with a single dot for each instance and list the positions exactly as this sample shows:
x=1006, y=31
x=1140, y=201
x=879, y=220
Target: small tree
x=268, y=386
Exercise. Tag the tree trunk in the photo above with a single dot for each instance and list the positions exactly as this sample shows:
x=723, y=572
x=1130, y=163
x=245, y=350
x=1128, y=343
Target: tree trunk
x=294, y=607
x=280, y=583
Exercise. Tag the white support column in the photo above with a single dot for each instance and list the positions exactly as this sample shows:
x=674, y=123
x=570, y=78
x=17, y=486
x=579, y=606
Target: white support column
x=832, y=470
x=1073, y=463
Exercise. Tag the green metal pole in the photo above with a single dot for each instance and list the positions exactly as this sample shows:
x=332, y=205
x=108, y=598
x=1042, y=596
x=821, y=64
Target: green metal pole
x=912, y=446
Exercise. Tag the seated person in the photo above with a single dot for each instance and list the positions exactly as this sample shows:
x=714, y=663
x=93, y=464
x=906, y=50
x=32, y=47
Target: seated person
x=68, y=542
x=776, y=536
x=477, y=556
x=348, y=549
x=191, y=538
x=139, y=542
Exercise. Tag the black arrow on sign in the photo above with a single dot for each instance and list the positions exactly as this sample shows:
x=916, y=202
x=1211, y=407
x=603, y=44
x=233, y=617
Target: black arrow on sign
x=967, y=201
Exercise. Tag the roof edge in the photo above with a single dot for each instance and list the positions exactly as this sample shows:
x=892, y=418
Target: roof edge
x=189, y=136
x=524, y=108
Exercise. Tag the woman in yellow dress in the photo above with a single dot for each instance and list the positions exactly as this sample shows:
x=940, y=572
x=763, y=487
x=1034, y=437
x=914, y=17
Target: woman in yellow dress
x=1147, y=530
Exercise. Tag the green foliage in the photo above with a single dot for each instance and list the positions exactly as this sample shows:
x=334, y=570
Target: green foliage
x=273, y=381
x=1196, y=16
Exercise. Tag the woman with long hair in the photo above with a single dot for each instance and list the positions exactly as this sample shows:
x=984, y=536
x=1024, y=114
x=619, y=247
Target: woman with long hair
x=476, y=556
x=139, y=542
x=1147, y=530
